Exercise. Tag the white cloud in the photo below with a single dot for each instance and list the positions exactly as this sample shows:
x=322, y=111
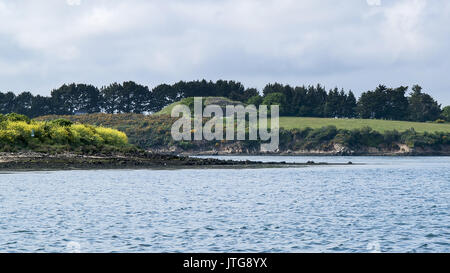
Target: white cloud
x=73, y=2
x=374, y=2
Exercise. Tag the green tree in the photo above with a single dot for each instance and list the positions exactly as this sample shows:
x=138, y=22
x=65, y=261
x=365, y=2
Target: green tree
x=372, y=104
x=422, y=107
x=384, y=103
x=397, y=103
x=163, y=95
x=135, y=98
x=255, y=100
x=23, y=103
x=273, y=88
x=232, y=90
x=128, y=97
x=7, y=102
x=73, y=98
x=314, y=101
x=275, y=99
x=111, y=98
x=41, y=106
x=299, y=100
x=290, y=108
x=446, y=113
x=333, y=104
x=350, y=105
x=249, y=93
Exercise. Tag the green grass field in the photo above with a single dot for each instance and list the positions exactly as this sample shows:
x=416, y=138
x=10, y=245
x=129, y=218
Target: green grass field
x=300, y=122
x=378, y=125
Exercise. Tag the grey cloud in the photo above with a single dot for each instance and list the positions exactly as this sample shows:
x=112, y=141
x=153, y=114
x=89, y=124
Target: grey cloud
x=348, y=44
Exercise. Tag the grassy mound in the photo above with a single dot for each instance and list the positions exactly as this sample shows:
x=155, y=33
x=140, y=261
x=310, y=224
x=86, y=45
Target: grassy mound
x=221, y=101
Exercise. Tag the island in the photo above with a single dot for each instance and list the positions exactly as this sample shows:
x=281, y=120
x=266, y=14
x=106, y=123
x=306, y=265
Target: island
x=60, y=144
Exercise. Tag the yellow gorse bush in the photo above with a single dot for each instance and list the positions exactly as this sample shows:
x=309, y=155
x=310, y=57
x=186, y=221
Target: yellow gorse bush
x=23, y=133
x=83, y=134
x=19, y=131
x=59, y=135
x=8, y=136
x=111, y=136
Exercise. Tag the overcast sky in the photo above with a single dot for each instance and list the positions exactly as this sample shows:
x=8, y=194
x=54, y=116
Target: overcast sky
x=355, y=44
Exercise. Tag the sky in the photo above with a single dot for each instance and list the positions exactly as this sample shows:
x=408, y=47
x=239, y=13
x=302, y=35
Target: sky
x=351, y=44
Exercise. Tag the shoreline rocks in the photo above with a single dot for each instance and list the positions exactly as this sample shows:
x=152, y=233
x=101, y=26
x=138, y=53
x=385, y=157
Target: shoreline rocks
x=31, y=161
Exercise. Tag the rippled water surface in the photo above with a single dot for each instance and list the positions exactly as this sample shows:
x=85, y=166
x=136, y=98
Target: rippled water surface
x=389, y=204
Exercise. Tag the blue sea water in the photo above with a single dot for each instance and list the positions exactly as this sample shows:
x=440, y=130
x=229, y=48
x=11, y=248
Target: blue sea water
x=389, y=204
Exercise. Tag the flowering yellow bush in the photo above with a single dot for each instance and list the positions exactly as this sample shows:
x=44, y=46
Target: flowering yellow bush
x=59, y=135
x=34, y=133
x=23, y=129
x=8, y=136
x=82, y=134
x=112, y=137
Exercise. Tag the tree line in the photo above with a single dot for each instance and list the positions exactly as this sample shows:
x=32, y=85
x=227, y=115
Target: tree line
x=307, y=101
x=381, y=103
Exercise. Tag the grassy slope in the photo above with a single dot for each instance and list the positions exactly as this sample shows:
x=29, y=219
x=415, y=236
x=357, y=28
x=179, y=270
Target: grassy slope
x=221, y=101
x=168, y=109
x=378, y=125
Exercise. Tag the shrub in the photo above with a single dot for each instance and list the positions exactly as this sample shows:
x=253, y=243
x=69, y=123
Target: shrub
x=21, y=132
x=112, y=137
x=17, y=117
x=85, y=135
x=446, y=113
x=62, y=122
x=343, y=137
x=255, y=100
x=323, y=134
x=186, y=145
x=59, y=135
x=17, y=131
x=391, y=136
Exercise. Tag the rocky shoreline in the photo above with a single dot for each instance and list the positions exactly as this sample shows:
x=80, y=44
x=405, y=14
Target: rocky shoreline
x=334, y=150
x=30, y=161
